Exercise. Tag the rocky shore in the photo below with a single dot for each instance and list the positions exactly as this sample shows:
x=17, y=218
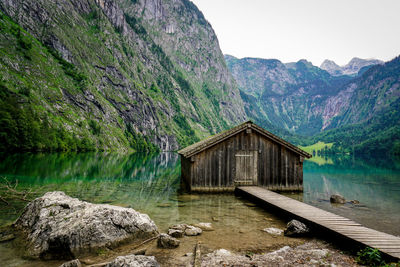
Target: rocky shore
x=74, y=233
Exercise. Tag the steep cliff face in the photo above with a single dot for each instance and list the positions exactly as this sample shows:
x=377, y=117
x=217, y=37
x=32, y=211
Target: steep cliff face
x=374, y=92
x=369, y=122
x=116, y=73
x=181, y=30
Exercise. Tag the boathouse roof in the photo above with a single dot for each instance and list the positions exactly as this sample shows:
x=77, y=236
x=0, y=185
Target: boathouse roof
x=218, y=138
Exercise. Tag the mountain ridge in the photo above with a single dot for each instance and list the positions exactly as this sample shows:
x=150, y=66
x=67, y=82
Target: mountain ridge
x=314, y=103
x=116, y=85
x=281, y=88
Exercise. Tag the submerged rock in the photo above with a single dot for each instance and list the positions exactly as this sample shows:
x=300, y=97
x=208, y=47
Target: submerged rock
x=58, y=226
x=164, y=205
x=167, y=241
x=175, y=233
x=134, y=261
x=7, y=237
x=180, y=227
x=296, y=228
x=204, y=226
x=273, y=231
x=192, y=230
x=188, y=230
x=355, y=202
x=337, y=199
x=73, y=263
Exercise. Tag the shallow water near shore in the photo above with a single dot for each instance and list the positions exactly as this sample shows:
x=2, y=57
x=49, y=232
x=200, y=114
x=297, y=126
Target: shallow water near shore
x=374, y=183
x=151, y=184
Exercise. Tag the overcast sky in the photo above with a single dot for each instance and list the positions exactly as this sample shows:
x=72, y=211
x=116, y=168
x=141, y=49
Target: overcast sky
x=315, y=30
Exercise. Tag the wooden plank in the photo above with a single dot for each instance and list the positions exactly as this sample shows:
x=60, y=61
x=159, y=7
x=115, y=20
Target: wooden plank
x=386, y=243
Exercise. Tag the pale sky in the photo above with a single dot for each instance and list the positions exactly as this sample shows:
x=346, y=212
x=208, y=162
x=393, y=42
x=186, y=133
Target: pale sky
x=290, y=30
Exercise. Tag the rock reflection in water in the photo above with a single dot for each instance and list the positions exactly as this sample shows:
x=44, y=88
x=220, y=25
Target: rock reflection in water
x=375, y=183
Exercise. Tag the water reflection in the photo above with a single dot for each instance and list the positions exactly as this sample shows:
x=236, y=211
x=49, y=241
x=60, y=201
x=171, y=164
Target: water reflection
x=150, y=184
x=147, y=183
x=136, y=180
x=373, y=182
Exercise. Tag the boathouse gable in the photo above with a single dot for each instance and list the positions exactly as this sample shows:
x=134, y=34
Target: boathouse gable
x=244, y=155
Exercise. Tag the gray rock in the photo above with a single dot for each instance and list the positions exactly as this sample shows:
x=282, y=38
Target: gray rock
x=192, y=230
x=273, y=231
x=182, y=227
x=134, y=261
x=167, y=241
x=175, y=233
x=73, y=263
x=296, y=228
x=336, y=198
x=188, y=230
x=58, y=226
x=204, y=226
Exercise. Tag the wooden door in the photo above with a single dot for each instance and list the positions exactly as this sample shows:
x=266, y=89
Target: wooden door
x=246, y=167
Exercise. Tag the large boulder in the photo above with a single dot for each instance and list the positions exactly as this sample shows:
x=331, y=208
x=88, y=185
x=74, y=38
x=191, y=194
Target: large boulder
x=134, y=261
x=59, y=226
x=296, y=228
x=337, y=199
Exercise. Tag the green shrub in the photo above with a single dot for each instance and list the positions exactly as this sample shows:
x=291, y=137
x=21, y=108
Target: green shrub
x=94, y=127
x=26, y=91
x=188, y=136
x=154, y=88
x=370, y=256
x=22, y=129
x=183, y=83
x=69, y=69
x=139, y=142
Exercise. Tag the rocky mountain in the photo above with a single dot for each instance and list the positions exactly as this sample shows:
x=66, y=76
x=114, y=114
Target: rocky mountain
x=352, y=68
x=111, y=74
x=331, y=67
x=307, y=100
x=291, y=96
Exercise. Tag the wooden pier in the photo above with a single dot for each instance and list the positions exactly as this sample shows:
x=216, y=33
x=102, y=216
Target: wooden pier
x=341, y=226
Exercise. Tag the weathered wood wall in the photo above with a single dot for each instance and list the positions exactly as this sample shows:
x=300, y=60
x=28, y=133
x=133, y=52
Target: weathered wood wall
x=214, y=169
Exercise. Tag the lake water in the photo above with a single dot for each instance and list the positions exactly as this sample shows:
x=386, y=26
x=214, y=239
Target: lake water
x=150, y=184
x=375, y=183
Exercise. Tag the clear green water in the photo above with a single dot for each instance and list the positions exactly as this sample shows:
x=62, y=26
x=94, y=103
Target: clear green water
x=373, y=182
x=138, y=181
x=150, y=184
x=147, y=183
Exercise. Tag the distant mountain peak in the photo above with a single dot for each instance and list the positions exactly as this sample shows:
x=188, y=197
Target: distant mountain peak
x=329, y=63
x=305, y=61
x=351, y=68
x=331, y=67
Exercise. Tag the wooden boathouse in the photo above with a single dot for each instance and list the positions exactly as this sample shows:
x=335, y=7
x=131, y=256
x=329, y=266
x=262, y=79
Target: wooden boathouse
x=244, y=155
